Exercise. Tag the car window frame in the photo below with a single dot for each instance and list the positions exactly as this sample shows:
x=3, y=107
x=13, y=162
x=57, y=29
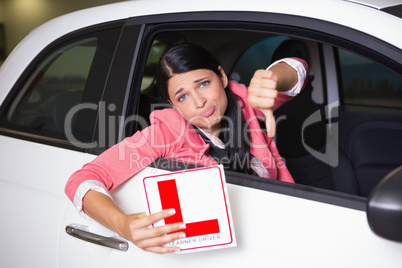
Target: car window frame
x=117, y=90
x=314, y=30
x=346, y=37
x=274, y=186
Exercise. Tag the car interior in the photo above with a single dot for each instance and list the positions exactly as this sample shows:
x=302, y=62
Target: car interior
x=359, y=165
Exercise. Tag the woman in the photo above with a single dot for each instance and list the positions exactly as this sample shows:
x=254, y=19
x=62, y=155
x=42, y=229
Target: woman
x=212, y=121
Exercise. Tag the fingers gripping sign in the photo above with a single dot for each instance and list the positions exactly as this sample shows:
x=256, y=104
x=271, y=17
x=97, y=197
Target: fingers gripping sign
x=262, y=93
x=153, y=239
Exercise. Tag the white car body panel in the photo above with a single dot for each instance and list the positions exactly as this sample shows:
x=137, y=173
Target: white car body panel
x=328, y=241
x=263, y=240
x=26, y=187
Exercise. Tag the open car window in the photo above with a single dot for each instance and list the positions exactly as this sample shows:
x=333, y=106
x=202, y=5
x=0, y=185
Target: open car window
x=312, y=129
x=257, y=51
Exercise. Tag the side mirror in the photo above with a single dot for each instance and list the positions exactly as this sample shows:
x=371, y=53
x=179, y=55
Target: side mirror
x=384, y=207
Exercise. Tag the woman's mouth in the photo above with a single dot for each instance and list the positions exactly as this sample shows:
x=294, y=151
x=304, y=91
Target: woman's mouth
x=208, y=112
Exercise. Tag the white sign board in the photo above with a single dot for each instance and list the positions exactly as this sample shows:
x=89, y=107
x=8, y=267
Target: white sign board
x=200, y=199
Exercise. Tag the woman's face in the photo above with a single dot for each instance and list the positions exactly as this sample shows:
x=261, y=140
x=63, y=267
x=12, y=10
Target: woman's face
x=200, y=97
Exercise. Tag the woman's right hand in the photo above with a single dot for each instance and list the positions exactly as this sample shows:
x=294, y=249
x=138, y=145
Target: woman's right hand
x=262, y=93
x=135, y=228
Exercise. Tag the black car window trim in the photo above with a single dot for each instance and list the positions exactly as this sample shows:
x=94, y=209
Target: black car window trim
x=394, y=10
x=295, y=190
x=68, y=38
x=318, y=30
x=117, y=89
x=298, y=190
x=274, y=186
x=314, y=30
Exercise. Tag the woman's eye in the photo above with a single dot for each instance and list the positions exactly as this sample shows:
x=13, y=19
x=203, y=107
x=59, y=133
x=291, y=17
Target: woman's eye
x=204, y=84
x=182, y=97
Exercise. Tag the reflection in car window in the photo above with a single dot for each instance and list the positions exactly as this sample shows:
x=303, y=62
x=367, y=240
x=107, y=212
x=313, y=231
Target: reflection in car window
x=59, y=82
x=54, y=88
x=365, y=82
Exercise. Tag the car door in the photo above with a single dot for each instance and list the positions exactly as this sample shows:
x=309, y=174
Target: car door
x=276, y=224
x=47, y=122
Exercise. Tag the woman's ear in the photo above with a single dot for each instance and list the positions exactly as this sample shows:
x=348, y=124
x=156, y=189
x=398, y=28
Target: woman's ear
x=224, y=77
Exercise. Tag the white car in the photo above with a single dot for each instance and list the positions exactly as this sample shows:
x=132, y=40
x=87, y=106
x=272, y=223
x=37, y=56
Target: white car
x=82, y=82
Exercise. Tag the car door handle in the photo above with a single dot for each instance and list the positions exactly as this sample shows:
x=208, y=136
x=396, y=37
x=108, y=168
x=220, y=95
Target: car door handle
x=81, y=232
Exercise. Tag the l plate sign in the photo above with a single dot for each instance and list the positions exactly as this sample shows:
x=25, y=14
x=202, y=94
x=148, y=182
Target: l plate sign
x=200, y=199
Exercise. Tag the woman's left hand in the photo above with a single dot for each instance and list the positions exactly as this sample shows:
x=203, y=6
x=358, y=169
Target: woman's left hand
x=262, y=93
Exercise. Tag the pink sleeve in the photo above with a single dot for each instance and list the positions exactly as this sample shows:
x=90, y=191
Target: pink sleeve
x=115, y=165
x=127, y=158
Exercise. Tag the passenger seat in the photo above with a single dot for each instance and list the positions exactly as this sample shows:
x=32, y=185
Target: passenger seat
x=305, y=168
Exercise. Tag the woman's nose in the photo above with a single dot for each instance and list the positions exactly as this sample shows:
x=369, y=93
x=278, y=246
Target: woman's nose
x=199, y=100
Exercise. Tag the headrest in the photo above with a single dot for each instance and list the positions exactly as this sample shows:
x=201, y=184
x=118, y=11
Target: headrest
x=290, y=48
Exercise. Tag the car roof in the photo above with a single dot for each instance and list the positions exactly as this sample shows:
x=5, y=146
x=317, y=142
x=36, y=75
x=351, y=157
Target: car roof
x=329, y=10
x=369, y=20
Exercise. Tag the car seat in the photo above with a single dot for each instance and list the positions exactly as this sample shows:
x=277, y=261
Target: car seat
x=305, y=168
x=375, y=150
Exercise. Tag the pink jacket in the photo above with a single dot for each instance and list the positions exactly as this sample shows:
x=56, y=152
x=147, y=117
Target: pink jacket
x=170, y=136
